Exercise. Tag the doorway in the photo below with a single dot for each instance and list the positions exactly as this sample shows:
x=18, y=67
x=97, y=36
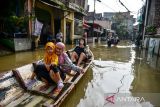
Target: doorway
x=68, y=33
x=57, y=26
x=44, y=17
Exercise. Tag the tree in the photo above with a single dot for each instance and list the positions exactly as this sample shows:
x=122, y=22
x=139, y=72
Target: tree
x=120, y=24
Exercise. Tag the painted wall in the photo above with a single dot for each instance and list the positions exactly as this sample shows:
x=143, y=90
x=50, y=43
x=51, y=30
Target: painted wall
x=70, y=19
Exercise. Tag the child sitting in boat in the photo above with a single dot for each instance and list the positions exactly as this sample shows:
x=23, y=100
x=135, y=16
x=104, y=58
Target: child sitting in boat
x=48, y=71
x=79, y=53
x=64, y=62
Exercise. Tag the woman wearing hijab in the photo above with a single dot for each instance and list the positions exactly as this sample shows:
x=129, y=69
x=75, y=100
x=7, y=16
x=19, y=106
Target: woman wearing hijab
x=48, y=71
x=64, y=63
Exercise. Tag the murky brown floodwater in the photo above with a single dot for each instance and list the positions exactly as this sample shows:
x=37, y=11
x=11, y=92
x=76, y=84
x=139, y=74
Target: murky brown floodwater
x=120, y=69
x=12, y=61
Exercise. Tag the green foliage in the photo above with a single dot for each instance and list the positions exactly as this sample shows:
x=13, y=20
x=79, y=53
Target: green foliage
x=16, y=24
x=118, y=18
x=121, y=24
x=151, y=29
x=121, y=30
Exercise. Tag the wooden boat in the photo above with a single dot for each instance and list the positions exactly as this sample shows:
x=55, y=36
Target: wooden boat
x=17, y=90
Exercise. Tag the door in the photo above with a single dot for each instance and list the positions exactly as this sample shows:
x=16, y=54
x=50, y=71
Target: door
x=57, y=25
x=68, y=33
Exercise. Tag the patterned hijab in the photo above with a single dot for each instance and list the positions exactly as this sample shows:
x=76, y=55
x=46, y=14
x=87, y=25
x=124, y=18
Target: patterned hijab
x=50, y=58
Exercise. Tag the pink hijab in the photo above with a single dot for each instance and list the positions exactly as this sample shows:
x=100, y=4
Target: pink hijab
x=61, y=58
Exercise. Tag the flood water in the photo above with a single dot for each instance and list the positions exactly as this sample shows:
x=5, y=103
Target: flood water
x=115, y=71
x=18, y=59
x=123, y=76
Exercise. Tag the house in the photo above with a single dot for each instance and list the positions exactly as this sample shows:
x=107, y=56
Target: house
x=94, y=31
x=121, y=19
x=65, y=16
x=151, y=31
x=47, y=17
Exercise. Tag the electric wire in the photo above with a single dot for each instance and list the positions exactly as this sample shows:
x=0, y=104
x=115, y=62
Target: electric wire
x=124, y=5
x=117, y=2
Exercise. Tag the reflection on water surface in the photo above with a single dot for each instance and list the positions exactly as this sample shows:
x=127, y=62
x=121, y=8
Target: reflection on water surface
x=122, y=69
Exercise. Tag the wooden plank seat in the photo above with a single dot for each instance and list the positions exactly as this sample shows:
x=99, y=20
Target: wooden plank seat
x=12, y=95
x=29, y=100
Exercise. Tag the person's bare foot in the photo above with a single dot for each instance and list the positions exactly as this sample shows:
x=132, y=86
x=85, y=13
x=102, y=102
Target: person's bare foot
x=67, y=78
x=56, y=92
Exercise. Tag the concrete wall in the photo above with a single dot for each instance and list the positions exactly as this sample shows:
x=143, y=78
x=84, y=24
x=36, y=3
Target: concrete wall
x=156, y=49
x=154, y=45
x=69, y=18
x=146, y=43
x=22, y=44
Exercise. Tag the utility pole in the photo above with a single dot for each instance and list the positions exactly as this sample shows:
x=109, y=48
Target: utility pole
x=145, y=21
x=94, y=16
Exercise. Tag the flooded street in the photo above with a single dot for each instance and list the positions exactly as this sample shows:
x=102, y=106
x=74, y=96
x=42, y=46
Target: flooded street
x=123, y=71
x=19, y=59
x=115, y=71
x=12, y=61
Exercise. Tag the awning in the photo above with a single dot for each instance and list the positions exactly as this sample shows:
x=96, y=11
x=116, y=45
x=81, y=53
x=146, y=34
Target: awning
x=53, y=4
x=91, y=24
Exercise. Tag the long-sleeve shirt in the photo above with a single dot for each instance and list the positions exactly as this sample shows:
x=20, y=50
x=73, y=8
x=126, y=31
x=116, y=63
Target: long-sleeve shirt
x=66, y=64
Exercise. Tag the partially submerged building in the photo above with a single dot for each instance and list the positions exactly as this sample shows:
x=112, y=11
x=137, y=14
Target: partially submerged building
x=40, y=19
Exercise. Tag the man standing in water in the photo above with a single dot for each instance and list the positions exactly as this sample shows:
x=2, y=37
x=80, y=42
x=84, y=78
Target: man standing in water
x=109, y=40
x=59, y=36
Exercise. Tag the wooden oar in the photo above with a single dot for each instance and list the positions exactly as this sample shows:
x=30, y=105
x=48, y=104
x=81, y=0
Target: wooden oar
x=19, y=79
